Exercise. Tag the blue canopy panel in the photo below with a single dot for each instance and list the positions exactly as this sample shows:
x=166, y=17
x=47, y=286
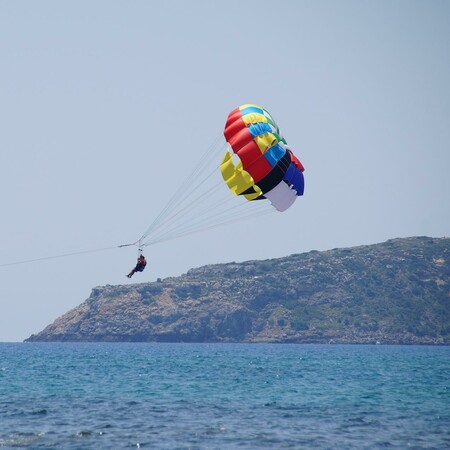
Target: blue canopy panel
x=274, y=154
x=256, y=129
x=294, y=177
x=248, y=109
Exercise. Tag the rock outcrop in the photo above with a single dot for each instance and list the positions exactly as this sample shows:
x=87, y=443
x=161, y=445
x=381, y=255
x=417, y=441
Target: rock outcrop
x=394, y=292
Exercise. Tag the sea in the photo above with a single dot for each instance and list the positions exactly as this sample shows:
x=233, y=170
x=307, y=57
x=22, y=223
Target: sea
x=223, y=396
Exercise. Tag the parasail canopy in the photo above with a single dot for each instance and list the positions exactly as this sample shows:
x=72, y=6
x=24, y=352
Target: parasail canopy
x=254, y=161
x=266, y=167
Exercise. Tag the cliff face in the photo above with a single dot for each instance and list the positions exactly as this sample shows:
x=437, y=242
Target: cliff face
x=394, y=292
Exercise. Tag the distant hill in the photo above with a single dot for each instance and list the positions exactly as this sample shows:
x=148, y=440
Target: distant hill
x=393, y=292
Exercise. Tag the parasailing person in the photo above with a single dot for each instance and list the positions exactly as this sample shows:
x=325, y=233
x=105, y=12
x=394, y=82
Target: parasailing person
x=140, y=265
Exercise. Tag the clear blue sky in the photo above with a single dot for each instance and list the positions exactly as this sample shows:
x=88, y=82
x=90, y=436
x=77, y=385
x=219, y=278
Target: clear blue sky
x=106, y=106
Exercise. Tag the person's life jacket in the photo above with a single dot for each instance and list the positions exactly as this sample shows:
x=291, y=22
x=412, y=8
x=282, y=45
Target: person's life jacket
x=140, y=266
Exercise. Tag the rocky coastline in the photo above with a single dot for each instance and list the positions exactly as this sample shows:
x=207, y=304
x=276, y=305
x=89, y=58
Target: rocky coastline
x=396, y=292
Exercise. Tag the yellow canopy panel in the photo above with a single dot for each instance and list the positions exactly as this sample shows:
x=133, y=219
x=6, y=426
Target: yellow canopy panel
x=254, y=117
x=265, y=141
x=237, y=179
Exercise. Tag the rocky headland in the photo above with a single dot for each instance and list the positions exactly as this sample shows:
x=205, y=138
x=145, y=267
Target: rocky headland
x=396, y=292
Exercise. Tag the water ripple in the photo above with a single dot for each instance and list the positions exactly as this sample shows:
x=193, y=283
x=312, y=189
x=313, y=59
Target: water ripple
x=74, y=396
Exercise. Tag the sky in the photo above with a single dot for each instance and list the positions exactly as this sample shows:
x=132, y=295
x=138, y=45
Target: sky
x=106, y=107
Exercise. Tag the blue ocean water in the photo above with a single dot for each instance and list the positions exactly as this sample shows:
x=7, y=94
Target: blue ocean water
x=223, y=396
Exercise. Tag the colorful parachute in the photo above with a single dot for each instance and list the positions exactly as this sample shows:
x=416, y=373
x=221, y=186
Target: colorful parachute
x=267, y=168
